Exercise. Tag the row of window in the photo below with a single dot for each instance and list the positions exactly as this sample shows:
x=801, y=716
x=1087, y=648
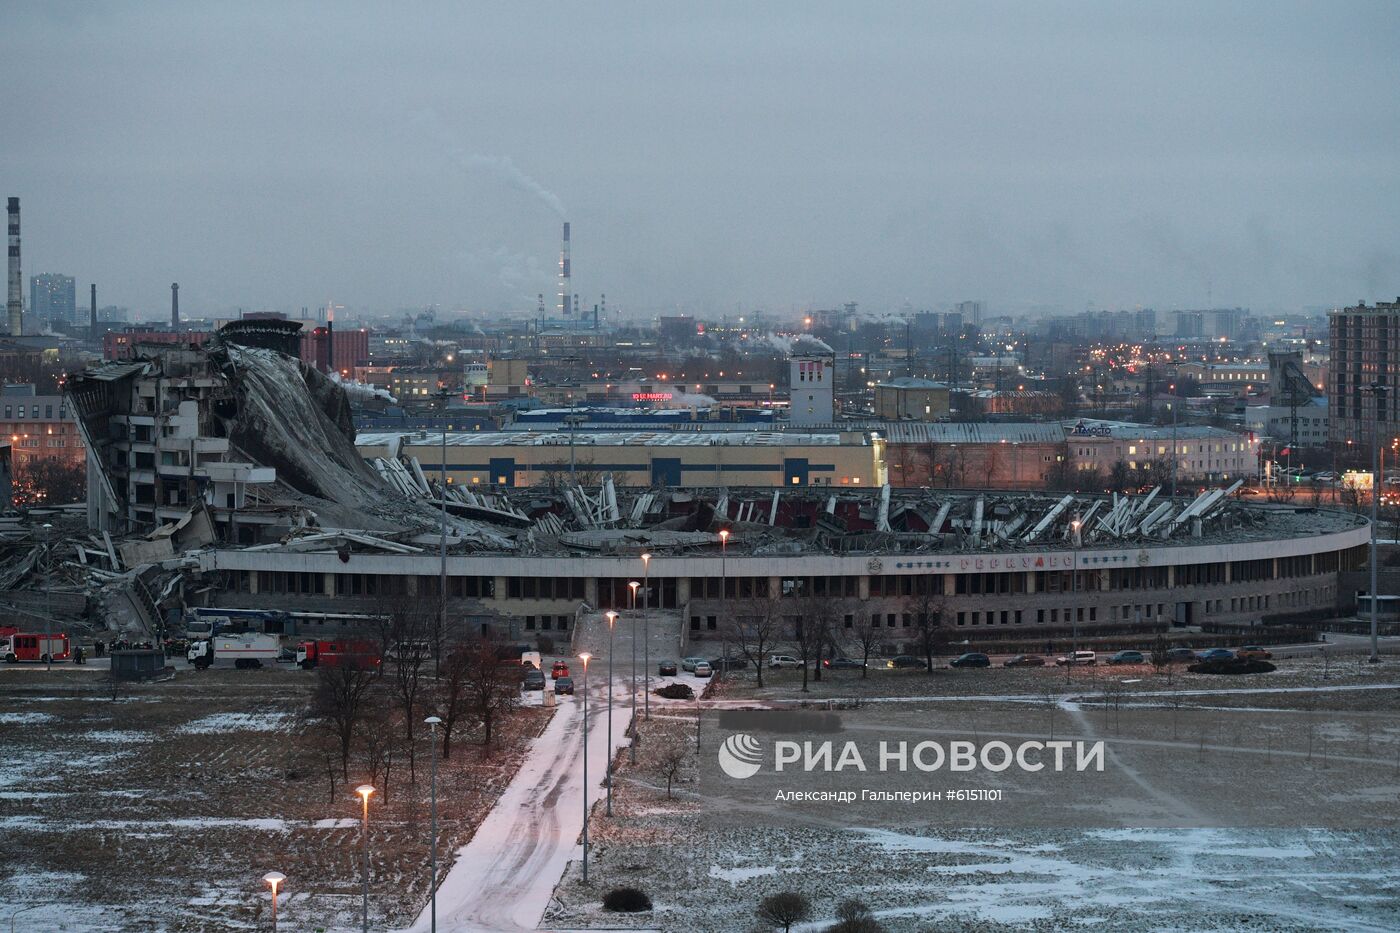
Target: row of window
x=32, y=411
x=616, y=592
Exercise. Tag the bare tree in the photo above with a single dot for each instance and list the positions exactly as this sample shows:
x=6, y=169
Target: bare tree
x=450, y=698
x=756, y=635
x=669, y=760
x=339, y=703
x=380, y=737
x=411, y=631
x=865, y=636
x=492, y=688
x=811, y=632
x=928, y=626
x=784, y=909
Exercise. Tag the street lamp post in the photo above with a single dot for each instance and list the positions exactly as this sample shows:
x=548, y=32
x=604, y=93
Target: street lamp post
x=273, y=879
x=584, y=658
x=633, y=587
x=442, y=572
x=433, y=722
x=1175, y=451
x=646, y=636
x=48, y=596
x=612, y=620
x=723, y=601
x=1074, y=590
x=364, y=790
x=1379, y=391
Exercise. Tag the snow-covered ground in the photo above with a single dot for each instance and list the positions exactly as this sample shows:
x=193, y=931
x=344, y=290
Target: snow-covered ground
x=504, y=877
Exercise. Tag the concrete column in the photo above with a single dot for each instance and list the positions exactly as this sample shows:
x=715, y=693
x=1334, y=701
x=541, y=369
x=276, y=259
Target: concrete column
x=863, y=588
x=253, y=581
x=1030, y=581
x=682, y=591
x=590, y=591
x=329, y=584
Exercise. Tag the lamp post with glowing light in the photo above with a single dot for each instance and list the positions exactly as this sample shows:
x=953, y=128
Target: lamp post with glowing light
x=1074, y=591
x=584, y=658
x=433, y=722
x=612, y=621
x=273, y=879
x=723, y=599
x=633, y=587
x=646, y=637
x=364, y=790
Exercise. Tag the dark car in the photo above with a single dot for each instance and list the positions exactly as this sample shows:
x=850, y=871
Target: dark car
x=1178, y=655
x=666, y=669
x=971, y=659
x=842, y=664
x=1216, y=654
x=534, y=680
x=722, y=665
x=905, y=661
x=564, y=685
x=1024, y=660
x=1127, y=657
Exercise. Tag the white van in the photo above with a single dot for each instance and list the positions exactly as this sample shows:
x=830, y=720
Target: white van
x=533, y=659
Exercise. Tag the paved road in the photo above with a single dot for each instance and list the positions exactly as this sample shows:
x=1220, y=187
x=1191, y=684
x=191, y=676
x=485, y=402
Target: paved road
x=504, y=877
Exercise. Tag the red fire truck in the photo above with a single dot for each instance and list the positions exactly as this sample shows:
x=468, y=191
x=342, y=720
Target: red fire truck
x=361, y=655
x=16, y=646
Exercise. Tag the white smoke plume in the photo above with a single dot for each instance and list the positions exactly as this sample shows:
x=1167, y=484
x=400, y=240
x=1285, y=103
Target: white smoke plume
x=359, y=390
x=502, y=165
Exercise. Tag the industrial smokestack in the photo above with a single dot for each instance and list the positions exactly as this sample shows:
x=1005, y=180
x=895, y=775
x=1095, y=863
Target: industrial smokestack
x=566, y=288
x=13, y=306
x=330, y=339
x=92, y=311
x=174, y=305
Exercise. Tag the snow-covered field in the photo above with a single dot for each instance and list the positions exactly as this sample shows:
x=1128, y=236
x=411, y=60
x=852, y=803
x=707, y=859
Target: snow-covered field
x=1321, y=790
x=162, y=810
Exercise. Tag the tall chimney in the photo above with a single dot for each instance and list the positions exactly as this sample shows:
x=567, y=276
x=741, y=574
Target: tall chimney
x=14, y=306
x=174, y=305
x=566, y=288
x=92, y=312
x=330, y=339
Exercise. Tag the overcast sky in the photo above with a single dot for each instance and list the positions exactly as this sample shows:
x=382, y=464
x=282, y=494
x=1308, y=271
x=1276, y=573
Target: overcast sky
x=710, y=156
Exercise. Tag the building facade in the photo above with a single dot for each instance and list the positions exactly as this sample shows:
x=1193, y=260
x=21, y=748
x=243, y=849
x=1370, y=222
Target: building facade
x=643, y=458
x=53, y=298
x=909, y=398
x=1365, y=354
x=1203, y=454
x=39, y=427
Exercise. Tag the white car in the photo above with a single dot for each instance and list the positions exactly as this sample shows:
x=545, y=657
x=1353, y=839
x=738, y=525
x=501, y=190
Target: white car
x=1077, y=658
x=703, y=669
x=689, y=664
x=783, y=660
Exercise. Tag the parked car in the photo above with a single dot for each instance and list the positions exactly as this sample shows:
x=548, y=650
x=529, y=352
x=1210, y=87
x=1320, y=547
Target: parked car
x=1178, y=655
x=842, y=664
x=1024, y=660
x=1077, y=658
x=971, y=659
x=560, y=669
x=1216, y=654
x=688, y=664
x=563, y=685
x=1254, y=653
x=905, y=661
x=783, y=660
x=1326, y=476
x=1127, y=657
x=534, y=680
x=724, y=665
x=666, y=669
x=703, y=669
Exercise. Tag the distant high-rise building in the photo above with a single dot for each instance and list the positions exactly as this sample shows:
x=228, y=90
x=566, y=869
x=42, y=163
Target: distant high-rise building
x=971, y=311
x=1364, y=384
x=53, y=298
